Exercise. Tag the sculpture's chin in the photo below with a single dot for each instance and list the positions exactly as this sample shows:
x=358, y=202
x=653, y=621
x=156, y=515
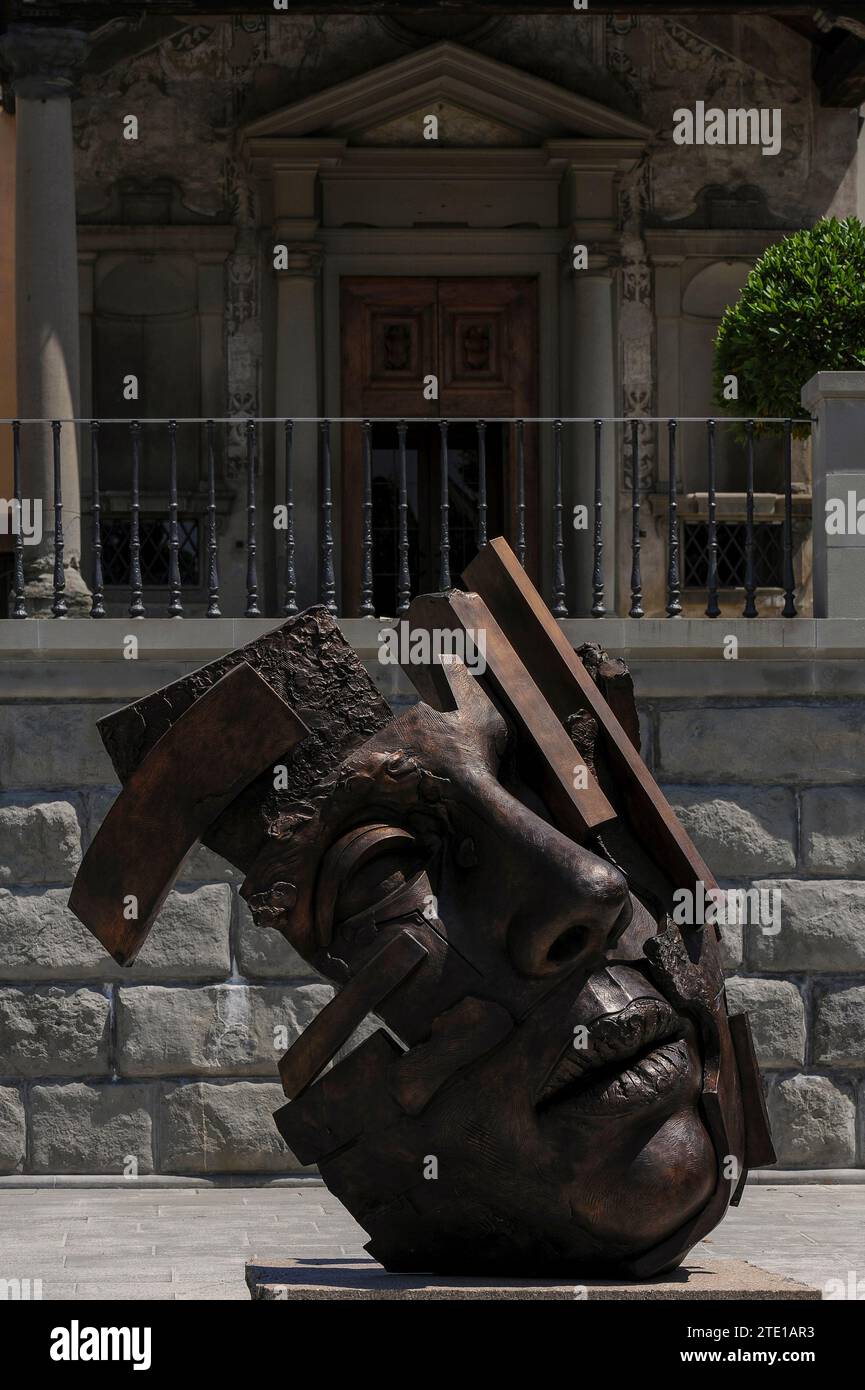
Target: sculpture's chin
x=617, y=1215
x=669, y=1182
x=646, y=1163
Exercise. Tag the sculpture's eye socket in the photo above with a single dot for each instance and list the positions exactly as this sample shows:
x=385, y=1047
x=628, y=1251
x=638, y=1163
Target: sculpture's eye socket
x=371, y=868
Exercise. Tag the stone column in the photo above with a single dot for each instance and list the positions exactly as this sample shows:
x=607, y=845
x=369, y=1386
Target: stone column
x=837, y=402
x=43, y=63
x=593, y=393
x=297, y=395
x=86, y=269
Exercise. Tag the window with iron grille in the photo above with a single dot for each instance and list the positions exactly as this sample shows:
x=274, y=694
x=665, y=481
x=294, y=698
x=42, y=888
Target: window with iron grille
x=155, y=552
x=731, y=536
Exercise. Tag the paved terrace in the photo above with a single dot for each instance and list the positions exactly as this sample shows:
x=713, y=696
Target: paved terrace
x=193, y=1243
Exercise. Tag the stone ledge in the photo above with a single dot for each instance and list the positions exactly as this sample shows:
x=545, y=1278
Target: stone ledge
x=804, y=1177
x=765, y=1177
x=365, y=1280
x=798, y=658
x=57, y=1182
x=202, y=639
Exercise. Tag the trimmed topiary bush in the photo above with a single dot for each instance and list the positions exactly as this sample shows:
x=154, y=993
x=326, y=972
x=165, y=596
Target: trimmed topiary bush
x=801, y=311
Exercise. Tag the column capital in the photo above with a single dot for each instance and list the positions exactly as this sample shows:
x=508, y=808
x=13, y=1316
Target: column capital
x=303, y=260
x=43, y=63
x=602, y=265
x=604, y=255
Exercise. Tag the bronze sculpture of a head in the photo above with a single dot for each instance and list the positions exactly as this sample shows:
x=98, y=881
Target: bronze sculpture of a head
x=557, y=1087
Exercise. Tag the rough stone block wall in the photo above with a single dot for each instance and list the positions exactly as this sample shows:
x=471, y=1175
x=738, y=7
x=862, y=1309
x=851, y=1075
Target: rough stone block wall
x=168, y=1067
x=773, y=794
x=171, y=1066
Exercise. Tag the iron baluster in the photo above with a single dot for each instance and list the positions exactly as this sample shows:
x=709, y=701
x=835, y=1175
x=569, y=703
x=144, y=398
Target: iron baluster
x=560, y=607
x=482, y=483
x=598, y=609
x=58, y=606
x=521, y=493
x=252, y=608
x=444, y=510
x=136, y=605
x=212, y=556
x=674, y=605
x=289, y=606
x=636, y=608
x=713, y=608
x=175, y=607
x=367, y=607
x=403, y=575
x=97, y=606
x=328, y=580
x=19, y=609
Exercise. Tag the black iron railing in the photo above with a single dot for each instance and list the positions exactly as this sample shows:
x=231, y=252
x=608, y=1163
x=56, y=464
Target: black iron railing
x=416, y=524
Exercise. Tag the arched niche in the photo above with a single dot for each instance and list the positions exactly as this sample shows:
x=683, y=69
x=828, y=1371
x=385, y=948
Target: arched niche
x=145, y=325
x=715, y=287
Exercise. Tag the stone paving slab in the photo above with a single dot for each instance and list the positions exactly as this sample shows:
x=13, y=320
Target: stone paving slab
x=125, y=1243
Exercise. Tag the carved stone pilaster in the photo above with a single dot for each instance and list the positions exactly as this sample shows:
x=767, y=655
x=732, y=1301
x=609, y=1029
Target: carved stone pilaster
x=636, y=324
x=619, y=57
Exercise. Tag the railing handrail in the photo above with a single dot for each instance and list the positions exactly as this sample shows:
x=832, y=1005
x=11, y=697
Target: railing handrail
x=408, y=419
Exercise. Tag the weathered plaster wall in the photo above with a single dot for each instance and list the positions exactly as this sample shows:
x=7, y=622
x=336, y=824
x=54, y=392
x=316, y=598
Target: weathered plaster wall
x=192, y=92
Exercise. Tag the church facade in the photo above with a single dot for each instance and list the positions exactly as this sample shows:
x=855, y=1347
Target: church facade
x=346, y=217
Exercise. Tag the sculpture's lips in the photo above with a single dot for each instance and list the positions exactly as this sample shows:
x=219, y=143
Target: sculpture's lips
x=632, y=1058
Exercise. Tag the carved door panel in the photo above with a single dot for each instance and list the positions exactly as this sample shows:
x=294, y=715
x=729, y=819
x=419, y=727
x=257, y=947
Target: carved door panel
x=478, y=337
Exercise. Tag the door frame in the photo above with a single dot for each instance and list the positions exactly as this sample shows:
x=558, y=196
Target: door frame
x=520, y=253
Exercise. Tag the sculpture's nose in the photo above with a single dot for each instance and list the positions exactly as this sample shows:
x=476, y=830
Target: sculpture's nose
x=576, y=911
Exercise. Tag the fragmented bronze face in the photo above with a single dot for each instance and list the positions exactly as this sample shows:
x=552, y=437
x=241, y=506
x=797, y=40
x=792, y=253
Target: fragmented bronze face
x=558, y=1088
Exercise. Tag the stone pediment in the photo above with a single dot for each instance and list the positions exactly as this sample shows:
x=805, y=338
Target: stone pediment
x=479, y=101
x=459, y=127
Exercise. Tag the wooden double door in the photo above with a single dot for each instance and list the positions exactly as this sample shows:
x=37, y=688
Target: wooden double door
x=478, y=338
